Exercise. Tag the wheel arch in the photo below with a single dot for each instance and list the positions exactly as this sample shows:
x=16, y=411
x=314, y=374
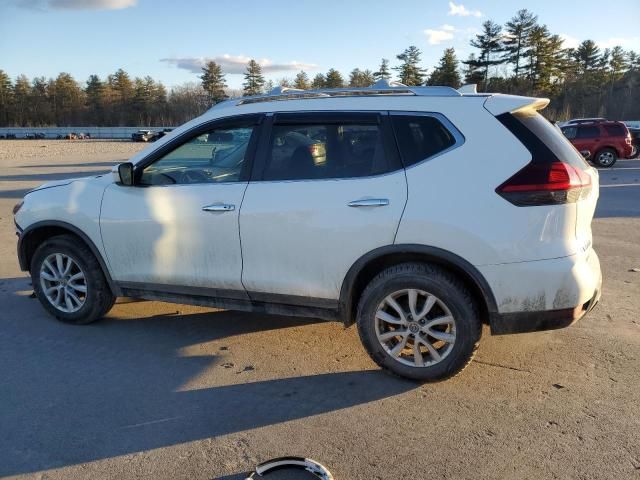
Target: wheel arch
x=372, y=263
x=33, y=236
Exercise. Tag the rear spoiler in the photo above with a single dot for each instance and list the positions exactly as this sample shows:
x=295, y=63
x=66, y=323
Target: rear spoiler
x=498, y=104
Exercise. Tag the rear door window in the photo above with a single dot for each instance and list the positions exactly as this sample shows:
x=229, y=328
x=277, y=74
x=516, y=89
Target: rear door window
x=588, y=132
x=420, y=137
x=314, y=147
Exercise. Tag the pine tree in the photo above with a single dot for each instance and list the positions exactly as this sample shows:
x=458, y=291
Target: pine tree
x=473, y=74
x=446, y=73
x=359, y=78
x=587, y=56
x=253, y=79
x=21, y=97
x=383, y=72
x=6, y=99
x=489, y=42
x=213, y=82
x=633, y=61
x=516, y=40
x=410, y=71
x=121, y=92
x=69, y=99
x=333, y=79
x=94, y=91
x=301, y=81
x=40, y=106
x=319, y=81
x=617, y=63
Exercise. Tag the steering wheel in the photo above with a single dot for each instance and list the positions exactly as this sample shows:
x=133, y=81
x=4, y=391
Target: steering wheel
x=194, y=176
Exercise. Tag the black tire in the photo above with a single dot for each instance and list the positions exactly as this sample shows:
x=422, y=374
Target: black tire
x=98, y=300
x=446, y=287
x=603, y=158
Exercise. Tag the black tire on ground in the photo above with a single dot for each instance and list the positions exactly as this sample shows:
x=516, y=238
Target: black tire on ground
x=436, y=281
x=99, y=298
x=605, y=158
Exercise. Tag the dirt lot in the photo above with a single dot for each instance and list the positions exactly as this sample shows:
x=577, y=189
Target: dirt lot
x=165, y=391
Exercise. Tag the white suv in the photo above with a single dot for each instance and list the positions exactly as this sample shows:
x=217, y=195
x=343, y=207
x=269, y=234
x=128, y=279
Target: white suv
x=418, y=212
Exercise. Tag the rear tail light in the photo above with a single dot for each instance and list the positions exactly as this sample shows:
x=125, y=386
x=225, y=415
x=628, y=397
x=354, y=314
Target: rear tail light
x=552, y=183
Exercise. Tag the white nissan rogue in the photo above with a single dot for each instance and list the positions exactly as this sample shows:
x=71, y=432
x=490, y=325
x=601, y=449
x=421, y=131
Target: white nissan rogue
x=418, y=213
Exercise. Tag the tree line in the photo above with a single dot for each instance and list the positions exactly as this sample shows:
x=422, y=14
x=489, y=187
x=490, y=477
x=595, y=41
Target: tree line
x=520, y=57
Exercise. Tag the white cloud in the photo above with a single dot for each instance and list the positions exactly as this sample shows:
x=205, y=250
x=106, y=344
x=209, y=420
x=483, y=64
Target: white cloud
x=236, y=64
x=569, y=41
x=628, y=43
x=77, y=4
x=442, y=34
x=462, y=11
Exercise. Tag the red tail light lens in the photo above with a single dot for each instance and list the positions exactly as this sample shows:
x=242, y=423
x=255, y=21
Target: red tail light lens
x=550, y=183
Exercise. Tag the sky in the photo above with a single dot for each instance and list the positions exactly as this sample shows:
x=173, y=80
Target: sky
x=169, y=39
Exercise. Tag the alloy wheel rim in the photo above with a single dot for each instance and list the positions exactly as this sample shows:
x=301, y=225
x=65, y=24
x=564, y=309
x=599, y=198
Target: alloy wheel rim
x=415, y=328
x=606, y=158
x=63, y=282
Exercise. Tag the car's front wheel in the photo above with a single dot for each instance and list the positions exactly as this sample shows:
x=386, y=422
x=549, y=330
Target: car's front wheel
x=419, y=321
x=68, y=281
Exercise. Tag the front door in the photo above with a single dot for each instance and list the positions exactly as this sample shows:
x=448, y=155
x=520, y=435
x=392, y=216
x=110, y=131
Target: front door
x=178, y=226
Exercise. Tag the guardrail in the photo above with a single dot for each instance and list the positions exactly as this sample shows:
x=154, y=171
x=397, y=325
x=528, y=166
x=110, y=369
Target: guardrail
x=95, y=132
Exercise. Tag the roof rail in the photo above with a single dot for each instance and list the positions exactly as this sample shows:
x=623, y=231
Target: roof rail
x=380, y=88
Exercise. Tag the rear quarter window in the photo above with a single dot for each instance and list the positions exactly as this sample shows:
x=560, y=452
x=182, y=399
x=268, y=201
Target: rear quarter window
x=420, y=137
x=615, y=130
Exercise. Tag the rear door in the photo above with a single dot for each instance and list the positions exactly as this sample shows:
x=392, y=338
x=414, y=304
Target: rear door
x=587, y=139
x=327, y=188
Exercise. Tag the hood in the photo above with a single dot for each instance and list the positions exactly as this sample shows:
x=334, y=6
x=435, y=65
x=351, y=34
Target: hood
x=67, y=181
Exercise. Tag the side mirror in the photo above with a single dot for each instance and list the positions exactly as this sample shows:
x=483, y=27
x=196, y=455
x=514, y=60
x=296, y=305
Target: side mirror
x=125, y=172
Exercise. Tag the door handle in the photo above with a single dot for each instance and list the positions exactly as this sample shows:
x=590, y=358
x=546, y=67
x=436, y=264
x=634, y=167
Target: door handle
x=219, y=207
x=369, y=202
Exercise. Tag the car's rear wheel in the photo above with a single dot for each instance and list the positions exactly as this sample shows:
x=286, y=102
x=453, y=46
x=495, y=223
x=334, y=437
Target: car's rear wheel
x=68, y=281
x=605, y=158
x=419, y=321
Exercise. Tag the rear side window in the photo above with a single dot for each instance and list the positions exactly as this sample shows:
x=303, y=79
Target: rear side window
x=420, y=137
x=588, y=132
x=615, y=130
x=539, y=129
x=322, y=150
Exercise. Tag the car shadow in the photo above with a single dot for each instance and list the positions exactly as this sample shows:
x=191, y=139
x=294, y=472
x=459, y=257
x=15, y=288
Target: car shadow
x=71, y=395
x=19, y=193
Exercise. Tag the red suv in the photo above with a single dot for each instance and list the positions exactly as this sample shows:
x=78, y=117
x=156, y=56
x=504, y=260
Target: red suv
x=600, y=141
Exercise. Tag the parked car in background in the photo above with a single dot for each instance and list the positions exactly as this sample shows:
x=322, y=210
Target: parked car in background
x=603, y=142
x=574, y=121
x=163, y=132
x=635, y=141
x=369, y=208
x=144, y=136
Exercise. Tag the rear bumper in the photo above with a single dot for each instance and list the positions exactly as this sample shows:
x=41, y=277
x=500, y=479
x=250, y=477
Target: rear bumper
x=526, y=322
x=545, y=294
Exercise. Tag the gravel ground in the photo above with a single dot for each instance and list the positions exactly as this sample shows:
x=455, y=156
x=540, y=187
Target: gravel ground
x=166, y=391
